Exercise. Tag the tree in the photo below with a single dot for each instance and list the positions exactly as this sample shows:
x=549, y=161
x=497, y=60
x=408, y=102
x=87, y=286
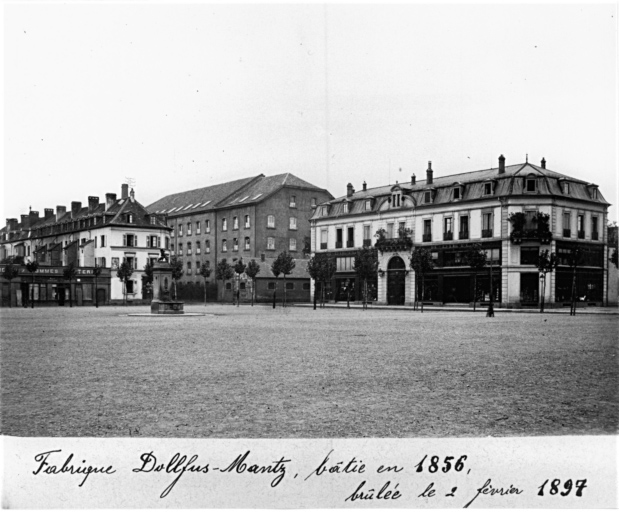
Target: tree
x=11, y=271
x=475, y=257
x=284, y=264
x=239, y=268
x=32, y=267
x=69, y=274
x=147, y=276
x=205, y=272
x=97, y=272
x=124, y=273
x=327, y=270
x=366, y=267
x=223, y=272
x=546, y=263
x=421, y=263
x=574, y=260
x=252, y=270
x=177, y=272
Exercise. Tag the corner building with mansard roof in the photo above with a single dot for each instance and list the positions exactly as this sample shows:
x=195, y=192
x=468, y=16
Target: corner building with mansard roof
x=513, y=211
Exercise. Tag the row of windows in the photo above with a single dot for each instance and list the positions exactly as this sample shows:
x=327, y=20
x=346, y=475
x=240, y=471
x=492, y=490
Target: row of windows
x=131, y=240
x=580, y=226
x=225, y=245
x=235, y=225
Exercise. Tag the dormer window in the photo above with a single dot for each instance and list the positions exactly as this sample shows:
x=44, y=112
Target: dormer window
x=427, y=197
x=130, y=218
x=345, y=208
x=324, y=210
x=396, y=200
x=457, y=193
x=594, y=193
x=367, y=205
x=530, y=185
x=488, y=189
x=566, y=188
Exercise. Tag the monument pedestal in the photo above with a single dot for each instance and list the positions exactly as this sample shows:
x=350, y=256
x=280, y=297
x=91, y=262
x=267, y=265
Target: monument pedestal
x=161, y=307
x=162, y=304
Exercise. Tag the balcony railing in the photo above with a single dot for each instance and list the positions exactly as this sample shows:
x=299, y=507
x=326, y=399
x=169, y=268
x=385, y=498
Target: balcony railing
x=338, y=245
x=567, y=233
x=323, y=245
x=595, y=235
x=463, y=235
x=486, y=233
x=394, y=244
x=350, y=243
x=367, y=242
x=581, y=235
x=448, y=236
x=427, y=237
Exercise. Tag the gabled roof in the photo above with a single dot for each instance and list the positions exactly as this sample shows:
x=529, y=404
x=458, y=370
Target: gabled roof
x=200, y=199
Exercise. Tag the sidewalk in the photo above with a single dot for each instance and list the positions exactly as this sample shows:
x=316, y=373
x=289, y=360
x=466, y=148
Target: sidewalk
x=480, y=309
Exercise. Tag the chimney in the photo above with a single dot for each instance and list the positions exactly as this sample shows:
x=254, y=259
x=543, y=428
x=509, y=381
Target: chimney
x=34, y=217
x=110, y=199
x=132, y=195
x=49, y=212
x=76, y=206
x=124, y=191
x=11, y=224
x=60, y=211
x=501, y=164
x=429, y=174
x=349, y=190
x=365, y=186
x=25, y=221
x=93, y=202
x=413, y=179
x=543, y=163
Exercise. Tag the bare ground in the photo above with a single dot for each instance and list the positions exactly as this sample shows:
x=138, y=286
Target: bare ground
x=264, y=373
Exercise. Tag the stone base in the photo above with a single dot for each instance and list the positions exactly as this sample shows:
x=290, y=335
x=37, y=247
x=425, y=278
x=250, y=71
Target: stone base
x=159, y=307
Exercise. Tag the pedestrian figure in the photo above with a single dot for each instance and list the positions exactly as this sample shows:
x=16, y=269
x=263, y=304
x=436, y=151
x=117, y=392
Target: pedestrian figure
x=274, y=298
x=238, y=298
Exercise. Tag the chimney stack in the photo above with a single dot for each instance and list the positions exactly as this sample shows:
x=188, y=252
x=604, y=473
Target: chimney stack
x=429, y=174
x=124, y=191
x=11, y=224
x=34, y=217
x=501, y=164
x=110, y=199
x=60, y=211
x=25, y=221
x=365, y=186
x=93, y=202
x=49, y=212
x=543, y=163
x=76, y=206
x=413, y=179
x=349, y=190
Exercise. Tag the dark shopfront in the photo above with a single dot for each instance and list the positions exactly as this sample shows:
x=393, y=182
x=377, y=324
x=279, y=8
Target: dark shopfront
x=50, y=288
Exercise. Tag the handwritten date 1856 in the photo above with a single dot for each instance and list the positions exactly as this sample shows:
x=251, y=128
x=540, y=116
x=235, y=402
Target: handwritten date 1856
x=433, y=467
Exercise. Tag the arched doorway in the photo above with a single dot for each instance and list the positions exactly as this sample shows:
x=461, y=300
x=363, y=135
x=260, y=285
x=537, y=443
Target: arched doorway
x=396, y=272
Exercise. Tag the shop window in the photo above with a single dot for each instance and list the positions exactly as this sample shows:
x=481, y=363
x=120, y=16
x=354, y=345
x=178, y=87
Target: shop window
x=529, y=255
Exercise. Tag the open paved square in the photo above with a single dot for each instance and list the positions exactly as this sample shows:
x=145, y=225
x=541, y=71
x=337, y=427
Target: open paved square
x=264, y=373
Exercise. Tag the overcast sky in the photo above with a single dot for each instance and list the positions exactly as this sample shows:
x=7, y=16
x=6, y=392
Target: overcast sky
x=184, y=96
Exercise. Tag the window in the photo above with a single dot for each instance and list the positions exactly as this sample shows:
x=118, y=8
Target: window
x=427, y=230
x=289, y=286
x=350, y=238
x=567, y=224
x=129, y=286
x=188, y=248
x=197, y=227
x=594, y=193
x=293, y=202
x=180, y=230
x=224, y=225
x=594, y=228
x=271, y=285
x=197, y=267
x=345, y=264
x=324, y=210
x=493, y=255
x=390, y=230
x=345, y=207
x=189, y=268
x=228, y=286
x=224, y=245
x=153, y=219
x=581, y=226
x=456, y=193
x=293, y=244
x=323, y=238
x=271, y=221
x=427, y=197
x=367, y=205
x=366, y=234
x=306, y=286
x=102, y=240
x=235, y=244
x=270, y=243
x=207, y=226
x=263, y=257
x=464, y=226
x=487, y=189
x=130, y=240
x=198, y=248
x=313, y=202
x=531, y=185
x=189, y=229
x=486, y=225
x=207, y=263
x=130, y=218
x=529, y=255
x=566, y=188
x=247, y=244
x=247, y=221
x=180, y=249
x=235, y=223
x=293, y=223
x=207, y=246
x=167, y=242
x=172, y=247
x=132, y=261
x=396, y=200
x=338, y=238
x=448, y=221
x=242, y=286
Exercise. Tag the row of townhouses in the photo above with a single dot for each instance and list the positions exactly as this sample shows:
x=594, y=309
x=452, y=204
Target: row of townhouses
x=447, y=214
x=260, y=216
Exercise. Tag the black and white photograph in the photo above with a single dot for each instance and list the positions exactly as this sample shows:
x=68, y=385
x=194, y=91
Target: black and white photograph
x=262, y=255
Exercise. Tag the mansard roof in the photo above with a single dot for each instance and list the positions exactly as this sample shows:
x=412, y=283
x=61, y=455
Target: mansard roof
x=509, y=183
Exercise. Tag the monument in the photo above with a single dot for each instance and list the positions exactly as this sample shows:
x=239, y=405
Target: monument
x=162, y=303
